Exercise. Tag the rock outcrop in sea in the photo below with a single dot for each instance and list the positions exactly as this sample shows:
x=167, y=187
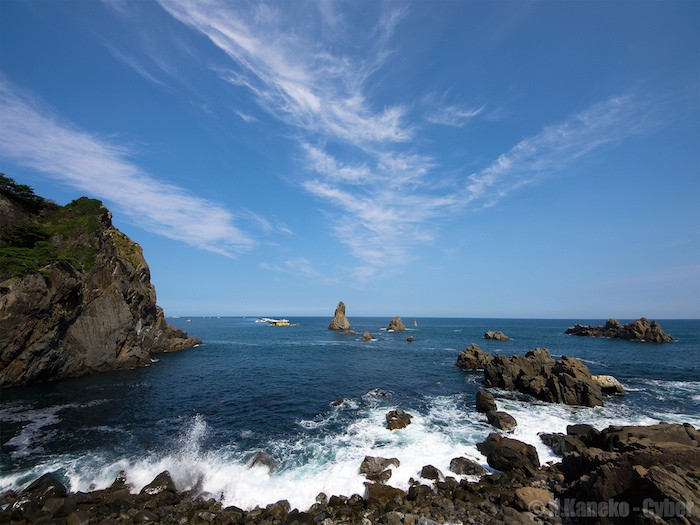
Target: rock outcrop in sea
x=396, y=325
x=498, y=336
x=75, y=292
x=340, y=321
x=640, y=330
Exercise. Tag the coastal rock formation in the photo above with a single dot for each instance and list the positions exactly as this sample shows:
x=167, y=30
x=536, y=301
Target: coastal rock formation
x=566, y=380
x=651, y=470
x=639, y=330
x=397, y=419
x=75, y=294
x=658, y=463
x=498, y=336
x=367, y=336
x=473, y=358
x=396, y=325
x=339, y=322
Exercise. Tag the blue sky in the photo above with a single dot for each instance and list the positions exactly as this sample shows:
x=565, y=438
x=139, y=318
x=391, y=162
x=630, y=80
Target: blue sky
x=477, y=159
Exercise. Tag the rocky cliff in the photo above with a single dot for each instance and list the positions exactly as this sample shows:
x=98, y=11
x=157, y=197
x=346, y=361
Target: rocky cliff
x=75, y=292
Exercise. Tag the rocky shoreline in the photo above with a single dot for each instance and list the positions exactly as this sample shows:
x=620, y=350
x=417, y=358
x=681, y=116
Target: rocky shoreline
x=635, y=474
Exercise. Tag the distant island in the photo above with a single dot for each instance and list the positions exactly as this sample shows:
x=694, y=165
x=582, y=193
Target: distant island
x=639, y=330
x=75, y=292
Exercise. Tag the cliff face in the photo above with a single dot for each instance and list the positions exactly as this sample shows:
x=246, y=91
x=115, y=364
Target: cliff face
x=75, y=296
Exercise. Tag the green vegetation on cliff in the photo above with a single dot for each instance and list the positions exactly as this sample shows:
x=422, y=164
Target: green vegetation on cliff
x=49, y=233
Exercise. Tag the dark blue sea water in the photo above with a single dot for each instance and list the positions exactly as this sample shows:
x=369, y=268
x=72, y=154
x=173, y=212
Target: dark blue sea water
x=315, y=400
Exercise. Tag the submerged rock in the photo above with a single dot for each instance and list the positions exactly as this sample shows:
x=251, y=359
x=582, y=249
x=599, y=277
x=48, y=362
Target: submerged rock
x=263, y=459
x=639, y=330
x=396, y=325
x=340, y=321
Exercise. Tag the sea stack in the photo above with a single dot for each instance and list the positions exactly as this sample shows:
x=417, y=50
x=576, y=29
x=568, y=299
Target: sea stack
x=339, y=322
x=396, y=325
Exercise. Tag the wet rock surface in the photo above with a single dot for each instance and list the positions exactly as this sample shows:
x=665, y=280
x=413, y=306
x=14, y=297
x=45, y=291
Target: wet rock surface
x=651, y=472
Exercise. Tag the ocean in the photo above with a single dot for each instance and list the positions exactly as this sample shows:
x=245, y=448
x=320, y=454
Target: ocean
x=315, y=401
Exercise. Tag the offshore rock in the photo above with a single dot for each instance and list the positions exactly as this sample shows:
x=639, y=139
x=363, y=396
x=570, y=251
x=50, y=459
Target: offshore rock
x=397, y=419
x=498, y=336
x=367, y=336
x=566, y=380
x=377, y=468
x=84, y=305
x=396, y=325
x=473, y=358
x=339, y=322
x=639, y=330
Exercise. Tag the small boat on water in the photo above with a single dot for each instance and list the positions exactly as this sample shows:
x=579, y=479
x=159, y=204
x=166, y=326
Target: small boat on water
x=274, y=322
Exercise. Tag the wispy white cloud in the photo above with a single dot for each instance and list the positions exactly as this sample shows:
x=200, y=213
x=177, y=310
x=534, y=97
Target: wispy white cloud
x=557, y=146
x=32, y=137
x=384, y=198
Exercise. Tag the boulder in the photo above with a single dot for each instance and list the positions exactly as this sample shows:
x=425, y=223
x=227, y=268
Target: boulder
x=396, y=325
x=562, y=443
x=377, y=468
x=410, y=339
x=339, y=322
x=397, y=419
x=533, y=499
x=609, y=385
x=367, y=336
x=640, y=330
x=566, y=380
x=498, y=336
x=502, y=420
x=508, y=454
x=466, y=467
x=485, y=402
x=473, y=358
x=379, y=495
x=430, y=472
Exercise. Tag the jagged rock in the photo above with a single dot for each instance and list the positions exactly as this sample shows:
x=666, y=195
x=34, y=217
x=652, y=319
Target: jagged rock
x=566, y=380
x=396, y=325
x=397, y=419
x=562, y=443
x=377, y=468
x=91, y=309
x=473, y=358
x=485, y=402
x=339, y=322
x=367, y=336
x=507, y=454
x=466, y=467
x=498, y=336
x=265, y=460
x=502, y=420
x=609, y=385
x=639, y=330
